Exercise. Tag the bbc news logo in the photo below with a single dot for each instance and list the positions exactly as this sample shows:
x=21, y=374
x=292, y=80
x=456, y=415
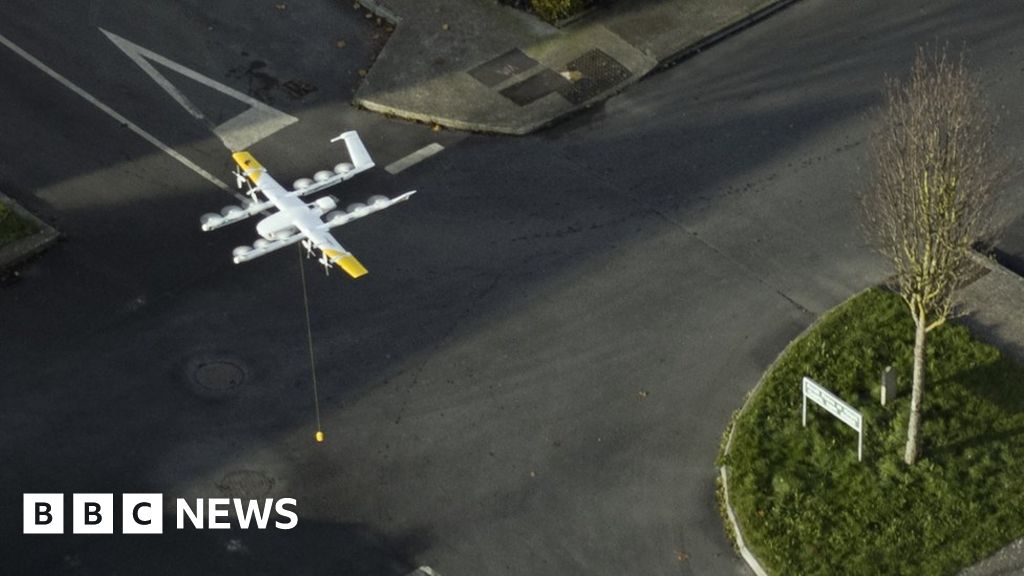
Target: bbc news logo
x=143, y=513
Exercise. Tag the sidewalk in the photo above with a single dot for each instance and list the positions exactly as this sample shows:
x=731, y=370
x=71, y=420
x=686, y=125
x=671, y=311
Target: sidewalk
x=477, y=65
x=992, y=308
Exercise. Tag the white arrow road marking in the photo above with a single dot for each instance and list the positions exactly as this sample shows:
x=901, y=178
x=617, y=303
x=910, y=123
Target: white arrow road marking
x=238, y=133
x=110, y=112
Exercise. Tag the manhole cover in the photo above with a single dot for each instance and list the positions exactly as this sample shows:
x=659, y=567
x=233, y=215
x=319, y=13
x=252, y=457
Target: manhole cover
x=246, y=484
x=215, y=376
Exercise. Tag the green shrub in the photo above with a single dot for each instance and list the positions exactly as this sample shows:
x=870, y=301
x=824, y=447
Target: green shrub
x=553, y=10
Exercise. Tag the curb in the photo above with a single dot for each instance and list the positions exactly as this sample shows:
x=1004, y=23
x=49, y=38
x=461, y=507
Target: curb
x=21, y=250
x=745, y=552
x=379, y=8
x=992, y=265
x=736, y=27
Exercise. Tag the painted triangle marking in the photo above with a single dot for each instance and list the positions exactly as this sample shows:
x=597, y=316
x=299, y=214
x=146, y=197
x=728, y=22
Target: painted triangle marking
x=237, y=133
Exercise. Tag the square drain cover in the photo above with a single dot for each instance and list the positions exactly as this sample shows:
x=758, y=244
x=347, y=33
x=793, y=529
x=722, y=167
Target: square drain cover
x=496, y=70
x=536, y=87
x=597, y=72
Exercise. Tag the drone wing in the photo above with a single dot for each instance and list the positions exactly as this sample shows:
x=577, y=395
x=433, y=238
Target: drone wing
x=263, y=246
x=357, y=211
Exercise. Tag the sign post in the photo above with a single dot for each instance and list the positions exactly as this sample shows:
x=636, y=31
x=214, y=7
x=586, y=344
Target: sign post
x=829, y=401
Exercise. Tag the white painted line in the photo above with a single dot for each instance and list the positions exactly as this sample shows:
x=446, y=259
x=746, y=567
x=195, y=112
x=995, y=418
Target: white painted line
x=110, y=112
x=237, y=133
x=414, y=158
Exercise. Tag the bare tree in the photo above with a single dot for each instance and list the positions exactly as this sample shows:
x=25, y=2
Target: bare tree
x=932, y=195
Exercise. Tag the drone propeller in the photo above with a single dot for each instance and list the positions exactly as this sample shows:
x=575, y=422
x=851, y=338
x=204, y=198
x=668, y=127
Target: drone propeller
x=326, y=264
x=308, y=245
x=251, y=193
x=239, y=178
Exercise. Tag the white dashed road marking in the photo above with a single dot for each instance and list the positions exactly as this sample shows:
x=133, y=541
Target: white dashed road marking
x=417, y=156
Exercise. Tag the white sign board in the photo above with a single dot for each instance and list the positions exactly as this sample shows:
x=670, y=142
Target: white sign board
x=829, y=401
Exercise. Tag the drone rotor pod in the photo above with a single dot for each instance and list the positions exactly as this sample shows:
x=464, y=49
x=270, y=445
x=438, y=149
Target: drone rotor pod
x=356, y=208
x=323, y=175
x=376, y=200
x=302, y=183
x=241, y=251
x=326, y=204
x=210, y=220
x=343, y=168
x=260, y=243
x=231, y=211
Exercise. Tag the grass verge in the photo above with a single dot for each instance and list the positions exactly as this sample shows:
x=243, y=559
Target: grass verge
x=804, y=503
x=13, y=227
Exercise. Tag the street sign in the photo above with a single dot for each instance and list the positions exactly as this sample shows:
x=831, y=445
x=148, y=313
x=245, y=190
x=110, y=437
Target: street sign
x=829, y=401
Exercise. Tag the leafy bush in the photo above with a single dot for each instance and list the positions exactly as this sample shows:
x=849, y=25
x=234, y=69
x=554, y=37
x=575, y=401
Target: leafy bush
x=553, y=10
x=807, y=506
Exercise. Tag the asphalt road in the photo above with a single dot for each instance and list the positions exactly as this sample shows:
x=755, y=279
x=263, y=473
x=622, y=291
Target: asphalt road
x=534, y=377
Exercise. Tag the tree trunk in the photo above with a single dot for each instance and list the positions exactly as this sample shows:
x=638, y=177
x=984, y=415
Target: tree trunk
x=913, y=427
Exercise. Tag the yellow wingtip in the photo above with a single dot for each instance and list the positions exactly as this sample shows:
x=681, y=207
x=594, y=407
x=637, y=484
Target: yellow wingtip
x=349, y=264
x=346, y=262
x=249, y=165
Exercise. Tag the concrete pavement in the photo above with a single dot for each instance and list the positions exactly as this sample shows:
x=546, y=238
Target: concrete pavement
x=485, y=67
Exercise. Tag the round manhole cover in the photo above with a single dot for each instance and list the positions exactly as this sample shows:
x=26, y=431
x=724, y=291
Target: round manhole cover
x=215, y=377
x=246, y=484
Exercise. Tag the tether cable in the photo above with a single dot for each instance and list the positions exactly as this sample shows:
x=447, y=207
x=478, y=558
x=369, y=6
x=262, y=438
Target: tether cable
x=309, y=339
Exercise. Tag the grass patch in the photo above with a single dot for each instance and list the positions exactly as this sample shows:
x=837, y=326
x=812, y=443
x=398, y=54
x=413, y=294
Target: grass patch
x=13, y=227
x=804, y=503
x=552, y=10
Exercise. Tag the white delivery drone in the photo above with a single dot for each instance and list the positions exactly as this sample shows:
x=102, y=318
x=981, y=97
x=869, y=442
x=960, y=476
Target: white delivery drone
x=296, y=220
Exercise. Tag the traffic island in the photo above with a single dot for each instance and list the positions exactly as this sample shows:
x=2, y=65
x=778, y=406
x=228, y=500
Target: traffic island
x=22, y=235
x=802, y=503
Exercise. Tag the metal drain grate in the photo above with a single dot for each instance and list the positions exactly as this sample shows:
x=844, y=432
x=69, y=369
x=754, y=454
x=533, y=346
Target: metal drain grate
x=536, y=87
x=298, y=88
x=597, y=72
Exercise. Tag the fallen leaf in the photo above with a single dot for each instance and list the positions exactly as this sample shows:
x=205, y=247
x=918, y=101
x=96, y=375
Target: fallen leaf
x=361, y=72
x=340, y=44
x=444, y=26
x=571, y=75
